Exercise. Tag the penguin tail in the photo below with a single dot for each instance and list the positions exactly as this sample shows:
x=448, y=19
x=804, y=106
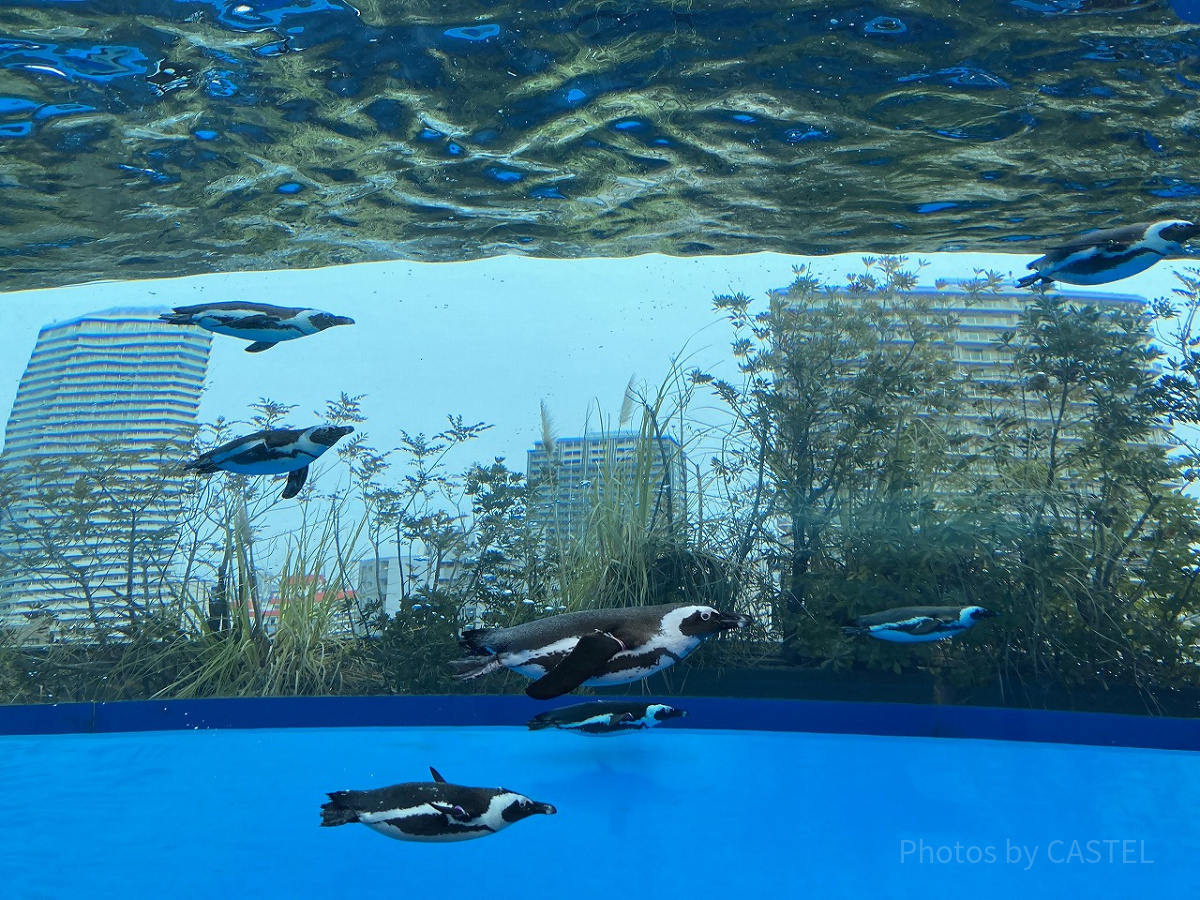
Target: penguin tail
x=335, y=813
x=854, y=630
x=200, y=466
x=473, y=667
x=537, y=723
x=176, y=318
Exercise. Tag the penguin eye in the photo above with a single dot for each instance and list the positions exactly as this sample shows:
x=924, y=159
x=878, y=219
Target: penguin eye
x=706, y=615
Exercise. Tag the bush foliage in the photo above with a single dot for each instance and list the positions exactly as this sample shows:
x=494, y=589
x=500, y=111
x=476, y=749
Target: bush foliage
x=852, y=466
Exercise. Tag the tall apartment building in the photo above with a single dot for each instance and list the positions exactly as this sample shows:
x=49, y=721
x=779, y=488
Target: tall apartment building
x=568, y=477
x=985, y=319
x=124, y=383
x=387, y=584
x=975, y=351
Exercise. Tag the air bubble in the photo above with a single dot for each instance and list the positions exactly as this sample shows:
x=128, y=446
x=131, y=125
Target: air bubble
x=885, y=25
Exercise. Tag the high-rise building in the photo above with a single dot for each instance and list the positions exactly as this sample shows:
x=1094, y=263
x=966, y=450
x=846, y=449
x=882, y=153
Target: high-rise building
x=568, y=478
x=106, y=400
x=978, y=351
x=387, y=583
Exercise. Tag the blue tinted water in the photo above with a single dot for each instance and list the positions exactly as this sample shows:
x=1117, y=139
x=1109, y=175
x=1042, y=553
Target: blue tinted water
x=682, y=128
x=668, y=813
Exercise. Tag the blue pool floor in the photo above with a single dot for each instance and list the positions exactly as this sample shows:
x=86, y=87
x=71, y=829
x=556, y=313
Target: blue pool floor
x=671, y=812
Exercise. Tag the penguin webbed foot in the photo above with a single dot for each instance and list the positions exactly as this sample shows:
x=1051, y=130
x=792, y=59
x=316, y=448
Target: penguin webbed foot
x=474, y=666
x=335, y=813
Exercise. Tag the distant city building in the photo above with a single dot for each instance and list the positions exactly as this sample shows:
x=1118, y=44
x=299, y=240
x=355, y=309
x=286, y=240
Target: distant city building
x=976, y=350
x=118, y=381
x=567, y=478
x=386, y=585
x=308, y=589
x=984, y=319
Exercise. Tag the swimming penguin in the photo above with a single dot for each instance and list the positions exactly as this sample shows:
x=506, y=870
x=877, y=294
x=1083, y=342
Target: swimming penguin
x=593, y=646
x=918, y=624
x=1099, y=257
x=604, y=717
x=431, y=811
x=272, y=452
x=261, y=323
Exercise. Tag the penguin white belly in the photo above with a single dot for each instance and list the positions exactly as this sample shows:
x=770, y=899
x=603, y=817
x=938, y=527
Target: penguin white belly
x=442, y=828
x=268, y=335
x=626, y=666
x=635, y=673
x=399, y=834
x=279, y=460
x=527, y=662
x=903, y=637
x=1124, y=269
x=269, y=466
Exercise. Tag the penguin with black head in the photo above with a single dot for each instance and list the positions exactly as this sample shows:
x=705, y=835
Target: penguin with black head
x=917, y=624
x=606, y=717
x=1098, y=257
x=431, y=812
x=593, y=646
x=261, y=323
x=272, y=451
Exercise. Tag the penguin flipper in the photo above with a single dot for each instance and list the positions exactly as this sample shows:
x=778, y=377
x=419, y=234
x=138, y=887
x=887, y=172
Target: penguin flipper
x=451, y=811
x=437, y=776
x=924, y=626
x=590, y=655
x=260, y=346
x=295, y=481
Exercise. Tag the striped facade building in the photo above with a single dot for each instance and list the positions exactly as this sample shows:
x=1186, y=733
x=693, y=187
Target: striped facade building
x=107, y=404
x=568, y=479
x=978, y=351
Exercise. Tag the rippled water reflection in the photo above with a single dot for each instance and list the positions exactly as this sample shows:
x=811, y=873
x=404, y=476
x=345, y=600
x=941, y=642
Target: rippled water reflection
x=157, y=138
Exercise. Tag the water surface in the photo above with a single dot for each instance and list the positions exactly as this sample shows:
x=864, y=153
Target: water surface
x=165, y=138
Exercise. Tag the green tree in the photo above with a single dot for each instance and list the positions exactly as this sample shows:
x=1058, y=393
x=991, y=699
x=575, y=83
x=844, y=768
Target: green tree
x=1078, y=476
x=841, y=427
x=100, y=530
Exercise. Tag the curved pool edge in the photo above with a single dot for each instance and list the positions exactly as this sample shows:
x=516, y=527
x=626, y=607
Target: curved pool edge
x=815, y=716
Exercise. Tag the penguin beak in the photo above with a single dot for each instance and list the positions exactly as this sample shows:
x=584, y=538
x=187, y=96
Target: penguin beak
x=544, y=808
x=729, y=621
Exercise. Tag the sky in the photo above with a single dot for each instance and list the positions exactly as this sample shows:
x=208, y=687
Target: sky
x=486, y=339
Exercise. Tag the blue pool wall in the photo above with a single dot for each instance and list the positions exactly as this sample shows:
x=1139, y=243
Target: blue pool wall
x=821, y=717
